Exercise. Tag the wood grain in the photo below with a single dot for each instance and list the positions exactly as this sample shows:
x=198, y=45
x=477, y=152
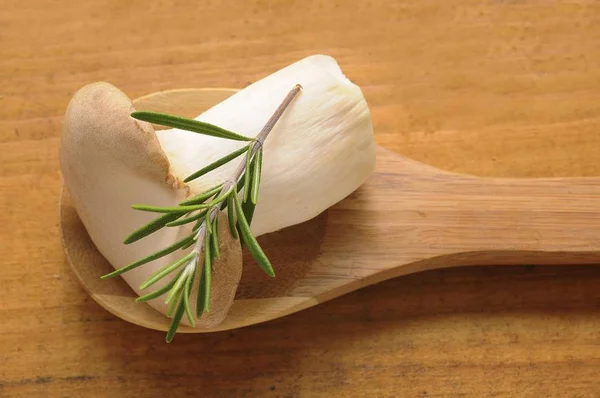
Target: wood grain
x=495, y=88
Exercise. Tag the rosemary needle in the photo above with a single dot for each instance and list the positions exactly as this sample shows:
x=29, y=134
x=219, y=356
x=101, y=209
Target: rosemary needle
x=187, y=220
x=151, y=257
x=215, y=239
x=165, y=271
x=248, y=174
x=231, y=217
x=207, y=272
x=202, y=197
x=189, y=125
x=251, y=241
x=186, y=300
x=256, y=170
x=216, y=164
x=152, y=226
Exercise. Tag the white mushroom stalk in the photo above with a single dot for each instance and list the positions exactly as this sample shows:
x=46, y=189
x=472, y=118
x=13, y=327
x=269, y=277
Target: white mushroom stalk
x=319, y=151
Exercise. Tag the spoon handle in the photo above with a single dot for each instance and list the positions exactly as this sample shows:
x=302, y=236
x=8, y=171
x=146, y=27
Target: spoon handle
x=505, y=221
x=410, y=217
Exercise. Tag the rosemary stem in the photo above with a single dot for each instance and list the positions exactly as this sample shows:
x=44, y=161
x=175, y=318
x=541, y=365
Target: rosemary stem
x=256, y=145
x=264, y=133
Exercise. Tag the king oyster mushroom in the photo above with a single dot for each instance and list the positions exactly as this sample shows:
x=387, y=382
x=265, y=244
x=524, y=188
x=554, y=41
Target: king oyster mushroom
x=320, y=151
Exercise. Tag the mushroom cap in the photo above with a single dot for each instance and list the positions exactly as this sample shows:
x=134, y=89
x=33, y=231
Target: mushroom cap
x=111, y=161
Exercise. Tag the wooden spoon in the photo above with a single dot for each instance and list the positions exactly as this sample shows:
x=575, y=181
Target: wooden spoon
x=408, y=217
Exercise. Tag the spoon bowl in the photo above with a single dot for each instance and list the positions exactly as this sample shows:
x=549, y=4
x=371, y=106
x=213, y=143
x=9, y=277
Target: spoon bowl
x=408, y=217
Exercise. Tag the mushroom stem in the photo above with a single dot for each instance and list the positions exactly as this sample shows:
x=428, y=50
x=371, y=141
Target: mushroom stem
x=256, y=146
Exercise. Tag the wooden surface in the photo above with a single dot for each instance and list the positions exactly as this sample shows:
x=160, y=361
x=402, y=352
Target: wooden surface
x=496, y=88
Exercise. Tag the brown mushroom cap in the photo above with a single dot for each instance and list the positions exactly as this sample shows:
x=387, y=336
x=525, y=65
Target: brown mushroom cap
x=98, y=119
x=110, y=161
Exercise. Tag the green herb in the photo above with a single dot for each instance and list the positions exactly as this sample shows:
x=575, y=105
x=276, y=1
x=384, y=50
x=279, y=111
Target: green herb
x=204, y=210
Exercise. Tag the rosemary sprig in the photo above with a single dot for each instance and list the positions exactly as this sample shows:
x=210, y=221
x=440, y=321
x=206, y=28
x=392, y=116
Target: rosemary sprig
x=204, y=209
